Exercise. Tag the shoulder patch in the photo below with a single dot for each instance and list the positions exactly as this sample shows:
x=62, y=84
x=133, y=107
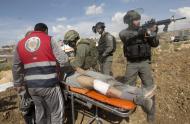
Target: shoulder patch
x=32, y=44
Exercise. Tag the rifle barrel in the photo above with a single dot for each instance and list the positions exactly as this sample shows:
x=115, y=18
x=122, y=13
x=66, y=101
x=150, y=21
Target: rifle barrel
x=168, y=21
x=180, y=18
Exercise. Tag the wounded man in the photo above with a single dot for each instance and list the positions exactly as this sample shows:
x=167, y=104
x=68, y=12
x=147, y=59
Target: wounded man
x=82, y=77
x=108, y=86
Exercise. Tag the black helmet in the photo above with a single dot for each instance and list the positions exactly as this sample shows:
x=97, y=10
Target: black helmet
x=130, y=16
x=94, y=29
x=97, y=26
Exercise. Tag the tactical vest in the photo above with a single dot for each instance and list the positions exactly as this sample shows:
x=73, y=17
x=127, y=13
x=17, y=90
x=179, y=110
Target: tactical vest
x=136, y=49
x=92, y=57
x=36, y=54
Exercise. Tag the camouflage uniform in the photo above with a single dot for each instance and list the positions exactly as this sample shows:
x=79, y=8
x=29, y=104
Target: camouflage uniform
x=137, y=50
x=83, y=57
x=106, y=47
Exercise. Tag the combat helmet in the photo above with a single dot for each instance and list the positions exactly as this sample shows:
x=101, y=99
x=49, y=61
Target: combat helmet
x=97, y=26
x=130, y=16
x=71, y=38
x=71, y=35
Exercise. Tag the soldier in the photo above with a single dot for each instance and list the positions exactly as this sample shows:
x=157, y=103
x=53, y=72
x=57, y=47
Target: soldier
x=36, y=61
x=106, y=48
x=137, y=49
x=105, y=84
x=85, y=51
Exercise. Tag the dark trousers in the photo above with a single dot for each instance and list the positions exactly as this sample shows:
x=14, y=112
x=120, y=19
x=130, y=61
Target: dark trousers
x=106, y=67
x=143, y=70
x=49, y=105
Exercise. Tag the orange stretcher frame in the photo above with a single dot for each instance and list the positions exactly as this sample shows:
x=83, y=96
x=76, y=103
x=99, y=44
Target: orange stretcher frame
x=120, y=103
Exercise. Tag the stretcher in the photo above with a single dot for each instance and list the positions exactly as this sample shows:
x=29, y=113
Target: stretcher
x=89, y=98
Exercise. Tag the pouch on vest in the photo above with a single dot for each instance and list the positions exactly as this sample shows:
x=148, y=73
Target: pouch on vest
x=137, y=51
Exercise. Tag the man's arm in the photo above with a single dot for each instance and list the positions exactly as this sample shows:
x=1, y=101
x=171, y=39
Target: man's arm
x=153, y=40
x=17, y=70
x=110, y=44
x=125, y=35
x=59, y=54
x=79, y=60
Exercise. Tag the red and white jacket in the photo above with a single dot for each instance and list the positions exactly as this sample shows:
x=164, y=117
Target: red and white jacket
x=36, y=54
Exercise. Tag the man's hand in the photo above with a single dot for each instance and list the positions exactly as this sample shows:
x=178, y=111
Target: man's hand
x=152, y=31
x=154, y=28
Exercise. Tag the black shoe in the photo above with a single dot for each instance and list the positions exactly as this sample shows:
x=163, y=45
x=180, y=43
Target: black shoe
x=151, y=115
x=150, y=118
x=147, y=104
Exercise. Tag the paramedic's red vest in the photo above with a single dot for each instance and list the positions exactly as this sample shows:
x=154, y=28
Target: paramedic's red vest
x=36, y=54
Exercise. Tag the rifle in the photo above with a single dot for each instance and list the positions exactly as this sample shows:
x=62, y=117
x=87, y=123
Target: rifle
x=165, y=22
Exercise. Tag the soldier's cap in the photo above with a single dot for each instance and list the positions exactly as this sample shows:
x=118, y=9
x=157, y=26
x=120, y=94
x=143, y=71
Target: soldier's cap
x=131, y=16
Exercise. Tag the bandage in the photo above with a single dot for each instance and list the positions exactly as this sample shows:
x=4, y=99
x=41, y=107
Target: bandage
x=101, y=86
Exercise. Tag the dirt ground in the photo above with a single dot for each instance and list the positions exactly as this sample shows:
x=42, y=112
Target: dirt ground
x=171, y=71
x=5, y=76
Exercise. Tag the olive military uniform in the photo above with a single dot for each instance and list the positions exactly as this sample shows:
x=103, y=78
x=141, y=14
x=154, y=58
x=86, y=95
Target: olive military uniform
x=106, y=48
x=138, y=54
x=86, y=54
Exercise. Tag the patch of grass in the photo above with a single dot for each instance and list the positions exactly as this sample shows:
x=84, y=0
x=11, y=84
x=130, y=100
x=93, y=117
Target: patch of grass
x=165, y=46
x=5, y=66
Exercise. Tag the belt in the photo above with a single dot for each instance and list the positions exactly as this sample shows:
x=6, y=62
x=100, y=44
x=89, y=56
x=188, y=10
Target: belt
x=138, y=59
